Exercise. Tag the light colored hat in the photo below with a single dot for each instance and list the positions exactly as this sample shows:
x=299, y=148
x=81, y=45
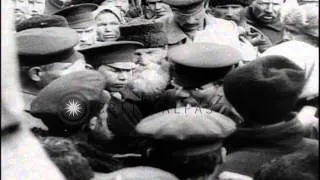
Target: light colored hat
x=306, y=57
x=108, y=8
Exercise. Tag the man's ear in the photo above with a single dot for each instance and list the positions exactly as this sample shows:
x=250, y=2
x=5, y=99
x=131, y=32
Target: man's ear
x=223, y=154
x=34, y=73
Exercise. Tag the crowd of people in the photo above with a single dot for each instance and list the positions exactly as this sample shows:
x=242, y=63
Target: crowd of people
x=160, y=89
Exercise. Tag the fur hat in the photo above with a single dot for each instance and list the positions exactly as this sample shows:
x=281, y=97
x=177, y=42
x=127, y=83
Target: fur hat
x=265, y=90
x=244, y=3
x=151, y=34
x=42, y=21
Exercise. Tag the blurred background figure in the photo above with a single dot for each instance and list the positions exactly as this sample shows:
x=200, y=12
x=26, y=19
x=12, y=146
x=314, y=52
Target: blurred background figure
x=25, y=9
x=17, y=143
x=155, y=9
x=108, y=19
x=80, y=18
x=52, y=6
x=302, y=2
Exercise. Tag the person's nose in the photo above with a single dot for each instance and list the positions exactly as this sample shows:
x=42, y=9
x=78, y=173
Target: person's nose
x=107, y=28
x=269, y=9
x=286, y=36
x=191, y=20
x=157, y=6
x=123, y=76
x=229, y=12
x=83, y=38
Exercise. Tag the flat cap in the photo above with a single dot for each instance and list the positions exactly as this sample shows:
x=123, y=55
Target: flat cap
x=72, y=99
x=41, y=46
x=200, y=63
x=192, y=124
x=151, y=34
x=137, y=173
x=178, y=3
x=107, y=8
x=42, y=21
x=53, y=6
x=111, y=53
x=264, y=90
x=244, y=3
x=79, y=16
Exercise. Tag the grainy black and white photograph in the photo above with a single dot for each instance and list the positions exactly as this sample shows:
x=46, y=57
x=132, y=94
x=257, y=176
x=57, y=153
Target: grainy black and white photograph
x=159, y=89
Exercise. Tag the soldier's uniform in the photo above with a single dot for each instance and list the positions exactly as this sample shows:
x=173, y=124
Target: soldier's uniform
x=196, y=65
x=43, y=46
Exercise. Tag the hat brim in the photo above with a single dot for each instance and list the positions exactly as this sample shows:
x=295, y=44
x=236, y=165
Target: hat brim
x=123, y=65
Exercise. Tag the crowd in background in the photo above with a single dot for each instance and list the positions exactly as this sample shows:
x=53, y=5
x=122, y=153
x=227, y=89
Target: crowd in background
x=160, y=89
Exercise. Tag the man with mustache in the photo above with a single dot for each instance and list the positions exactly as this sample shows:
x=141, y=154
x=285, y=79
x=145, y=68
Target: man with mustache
x=233, y=10
x=198, y=72
x=151, y=77
x=265, y=16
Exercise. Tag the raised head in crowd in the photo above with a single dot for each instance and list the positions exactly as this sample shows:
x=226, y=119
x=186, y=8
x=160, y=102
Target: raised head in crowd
x=192, y=148
x=25, y=9
x=302, y=2
x=270, y=87
x=80, y=18
x=265, y=16
x=155, y=9
x=108, y=19
x=151, y=75
x=234, y=10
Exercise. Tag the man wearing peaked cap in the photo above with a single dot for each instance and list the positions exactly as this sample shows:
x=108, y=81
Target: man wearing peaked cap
x=264, y=93
x=44, y=55
x=80, y=18
x=42, y=21
x=69, y=102
x=114, y=61
x=198, y=72
x=192, y=146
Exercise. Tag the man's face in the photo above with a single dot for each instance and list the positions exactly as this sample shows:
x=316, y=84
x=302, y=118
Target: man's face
x=204, y=96
x=229, y=12
x=123, y=5
x=50, y=72
x=189, y=22
x=107, y=27
x=20, y=10
x=267, y=11
x=117, y=78
x=36, y=7
x=87, y=37
x=156, y=9
x=151, y=76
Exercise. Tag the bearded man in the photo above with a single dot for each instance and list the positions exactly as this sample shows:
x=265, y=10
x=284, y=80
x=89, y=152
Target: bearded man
x=151, y=77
